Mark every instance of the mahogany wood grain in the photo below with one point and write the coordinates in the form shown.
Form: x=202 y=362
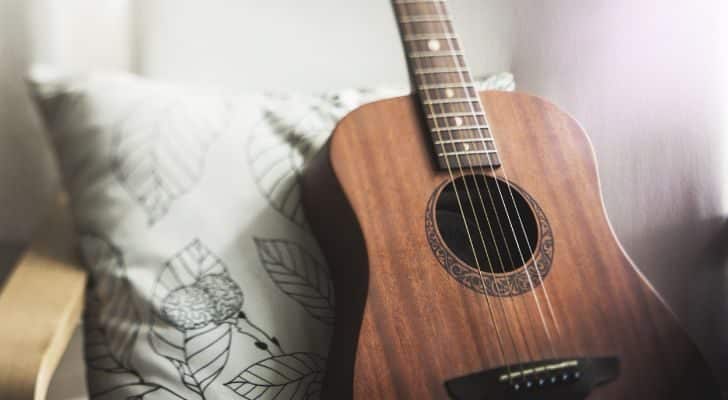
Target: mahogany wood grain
x=404 y=326
x=441 y=77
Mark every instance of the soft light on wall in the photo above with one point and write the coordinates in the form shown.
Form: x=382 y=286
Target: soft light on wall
x=647 y=80
x=75 y=35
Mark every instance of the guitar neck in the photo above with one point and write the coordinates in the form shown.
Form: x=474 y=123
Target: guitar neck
x=449 y=99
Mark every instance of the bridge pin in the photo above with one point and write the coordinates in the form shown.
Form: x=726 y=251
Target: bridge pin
x=541 y=381
x=577 y=375
x=529 y=384
x=553 y=379
x=565 y=377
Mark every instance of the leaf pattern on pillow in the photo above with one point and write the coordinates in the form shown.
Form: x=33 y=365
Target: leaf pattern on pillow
x=111 y=327
x=198 y=355
x=102 y=361
x=291 y=132
x=117 y=312
x=296 y=376
x=299 y=275
x=159 y=149
x=196 y=304
x=138 y=391
x=197 y=307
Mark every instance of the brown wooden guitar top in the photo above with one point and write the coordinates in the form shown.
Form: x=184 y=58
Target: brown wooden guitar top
x=405 y=326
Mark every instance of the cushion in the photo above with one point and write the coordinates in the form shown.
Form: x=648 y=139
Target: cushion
x=206 y=282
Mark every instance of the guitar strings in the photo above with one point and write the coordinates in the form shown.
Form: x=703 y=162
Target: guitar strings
x=442 y=13
x=467 y=228
x=473 y=174
x=511 y=224
x=478 y=190
x=472 y=246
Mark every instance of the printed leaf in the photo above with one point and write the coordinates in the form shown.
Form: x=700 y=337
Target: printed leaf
x=299 y=275
x=160 y=149
x=196 y=337
x=184 y=269
x=111 y=326
x=113 y=320
x=99 y=342
x=296 y=376
x=198 y=355
x=290 y=133
x=135 y=391
x=109 y=378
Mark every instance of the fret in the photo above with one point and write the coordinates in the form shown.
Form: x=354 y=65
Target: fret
x=472 y=147
x=450 y=96
x=467 y=140
x=431 y=36
x=424 y=18
x=442 y=70
x=478 y=160
x=440 y=62
x=468 y=120
x=475 y=113
x=430 y=28
x=432 y=54
x=429 y=46
x=449 y=101
x=460 y=128
x=463 y=133
x=446 y=86
x=466 y=153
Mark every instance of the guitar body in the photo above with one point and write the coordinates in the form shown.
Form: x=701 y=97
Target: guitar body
x=405 y=321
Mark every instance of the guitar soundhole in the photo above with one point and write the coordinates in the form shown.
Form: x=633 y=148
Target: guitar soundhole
x=505 y=245
x=494 y=238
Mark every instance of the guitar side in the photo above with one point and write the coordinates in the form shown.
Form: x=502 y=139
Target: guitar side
x=405 y=326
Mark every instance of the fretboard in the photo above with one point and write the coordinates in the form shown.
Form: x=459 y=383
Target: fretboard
x=445 y=87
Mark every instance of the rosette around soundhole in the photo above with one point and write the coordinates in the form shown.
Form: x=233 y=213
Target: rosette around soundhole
x=492 y=228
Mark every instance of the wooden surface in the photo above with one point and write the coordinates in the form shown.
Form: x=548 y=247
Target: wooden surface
x=40 y=305
x=9 y=253
x=366 y=195
x=445 y=85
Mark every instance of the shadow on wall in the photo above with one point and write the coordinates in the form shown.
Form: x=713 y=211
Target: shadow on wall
x=648 y=84
x=27 y=177
x=71 y=35
x=708 y=308
x=701 y=274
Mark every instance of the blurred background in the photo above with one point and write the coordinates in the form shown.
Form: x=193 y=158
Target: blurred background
x=648 y=79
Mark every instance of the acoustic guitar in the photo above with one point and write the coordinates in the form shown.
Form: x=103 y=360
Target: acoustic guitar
x=470 y=250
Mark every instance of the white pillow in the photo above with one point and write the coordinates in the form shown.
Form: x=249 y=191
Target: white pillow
x=206 y=282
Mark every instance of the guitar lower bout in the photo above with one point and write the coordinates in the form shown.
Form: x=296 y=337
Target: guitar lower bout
x=412 y=319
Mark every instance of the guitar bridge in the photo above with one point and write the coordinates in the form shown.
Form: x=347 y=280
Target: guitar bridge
x=562 y=379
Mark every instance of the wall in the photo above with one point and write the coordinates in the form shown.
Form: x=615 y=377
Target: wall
x=241 y=45
x=68 y=34
x=647 y=80
x=26 y=173
x=303 y=45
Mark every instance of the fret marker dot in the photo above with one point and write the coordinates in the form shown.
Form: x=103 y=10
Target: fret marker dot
x=433 y=45
x=458 y=121
x=449 y=93
x=466 y=146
